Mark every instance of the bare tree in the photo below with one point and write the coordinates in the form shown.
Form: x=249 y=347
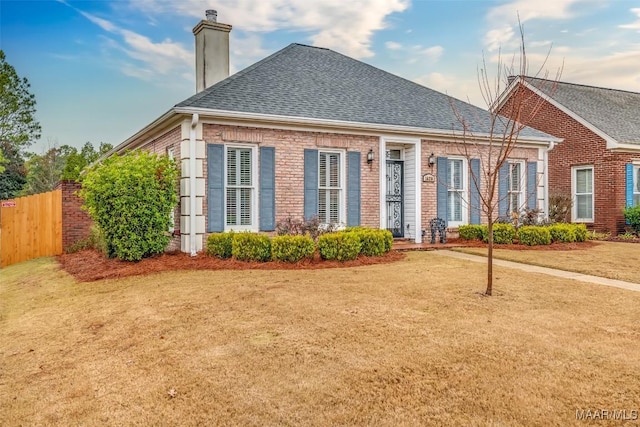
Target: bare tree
x=506 y=121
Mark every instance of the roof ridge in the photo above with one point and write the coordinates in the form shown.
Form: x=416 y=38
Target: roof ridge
x=581 y=84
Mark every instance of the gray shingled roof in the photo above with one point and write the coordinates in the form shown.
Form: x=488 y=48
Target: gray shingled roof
x=614 y=112
x=312 y=82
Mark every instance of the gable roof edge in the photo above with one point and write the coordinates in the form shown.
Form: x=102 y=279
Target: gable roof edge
x=611 y=143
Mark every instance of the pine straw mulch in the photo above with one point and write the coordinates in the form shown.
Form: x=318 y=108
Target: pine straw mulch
x=90 y=265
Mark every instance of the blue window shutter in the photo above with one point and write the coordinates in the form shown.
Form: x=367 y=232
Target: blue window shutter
x=442 y=191
x=215 y=194
x=476 y=204
x=628 y=184
x=353 y=189
x=503 y=189
x=310 y=183
x=267 y=188
x=532 y=185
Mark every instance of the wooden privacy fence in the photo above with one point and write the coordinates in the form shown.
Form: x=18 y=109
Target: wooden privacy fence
x=30 y=227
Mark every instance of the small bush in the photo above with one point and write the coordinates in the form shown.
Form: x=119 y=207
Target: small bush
x=471 y=232
x=373 y=241
x=292 y=248
x=564 y=233
x=388 y=240
x=503 y=234
x=532 y=235
x=581 y=232
x=95 y=240
x=627 y=236
x=560 y=207
x=341 y=246
x=632 y=216
x=251 y=247
x=594 y=235
x=311 y=227
x=220 y=245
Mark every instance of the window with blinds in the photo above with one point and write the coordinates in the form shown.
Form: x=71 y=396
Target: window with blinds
x=329 y=188
x=239 y=186
x=455 y=184
x=516 y=187
x=583 y=193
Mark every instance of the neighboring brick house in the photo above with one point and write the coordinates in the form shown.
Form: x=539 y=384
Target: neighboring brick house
x=310 y=132
x=598 y=163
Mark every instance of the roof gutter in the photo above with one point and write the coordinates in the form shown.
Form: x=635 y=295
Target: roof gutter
x=272 y=118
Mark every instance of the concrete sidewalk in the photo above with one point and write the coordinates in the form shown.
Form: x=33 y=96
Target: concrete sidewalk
x=543 y=270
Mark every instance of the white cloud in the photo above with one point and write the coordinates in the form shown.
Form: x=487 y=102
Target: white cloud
x=150 y=58
x=635 y=25
x=503 y=19
x=432 y=53
x=336 y=24
x=393 y=45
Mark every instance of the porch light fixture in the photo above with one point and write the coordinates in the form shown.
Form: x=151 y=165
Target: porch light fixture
x=370 y=156
x=432 y=160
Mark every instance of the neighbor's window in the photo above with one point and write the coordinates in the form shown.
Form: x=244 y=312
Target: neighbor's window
x=516 y=187
x=457 y=188
x=583 y=193
x=239 y=187
x=330 y=188
x=636 y=186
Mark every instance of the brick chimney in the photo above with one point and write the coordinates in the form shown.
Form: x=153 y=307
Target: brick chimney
x=212 y=51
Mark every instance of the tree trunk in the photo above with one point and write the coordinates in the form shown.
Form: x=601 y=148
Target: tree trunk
x=489 y=254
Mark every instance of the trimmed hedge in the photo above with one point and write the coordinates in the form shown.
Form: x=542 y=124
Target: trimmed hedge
x=532 y=235
x=472 y=232
x=374 y=242
x=564 y=233
x=220 y=245
x=341 y=246
x=581 y=232
x=251 y=247
x=503 y=234
x=292 y=248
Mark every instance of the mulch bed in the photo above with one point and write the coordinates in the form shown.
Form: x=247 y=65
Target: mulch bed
x=91 y=265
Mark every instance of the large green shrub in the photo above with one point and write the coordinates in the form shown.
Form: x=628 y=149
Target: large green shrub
x=251 y=247
x=532 y=235
x=581 y=232
x=220 y=245
x=341 y=246
x=292 y=248
x=472 y=232
x=632 y=216
x=130 y=198
x=563 y=233
x=374 y=242
x=502 y=233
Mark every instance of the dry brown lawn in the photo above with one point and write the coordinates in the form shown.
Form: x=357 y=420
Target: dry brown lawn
x=605 y=259
x=407 y=343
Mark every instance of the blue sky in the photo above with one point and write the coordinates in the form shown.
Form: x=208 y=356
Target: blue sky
x=101 y=70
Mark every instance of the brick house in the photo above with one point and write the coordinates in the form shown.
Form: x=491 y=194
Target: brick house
x=598 y=163
x=310 y=132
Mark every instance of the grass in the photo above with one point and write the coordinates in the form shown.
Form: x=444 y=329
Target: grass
x=613 y=260
x=413 y=342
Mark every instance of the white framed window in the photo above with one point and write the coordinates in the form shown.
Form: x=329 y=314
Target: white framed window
x=331 y=171
x=516 y=197
x=457 y=196
x=636 y=185
x=240 y=187
x=582 y=188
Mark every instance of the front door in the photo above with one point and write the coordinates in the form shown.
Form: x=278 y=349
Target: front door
x=395 y=198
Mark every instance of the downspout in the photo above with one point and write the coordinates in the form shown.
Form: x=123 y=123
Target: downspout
x=546 y=177
x=192 y=184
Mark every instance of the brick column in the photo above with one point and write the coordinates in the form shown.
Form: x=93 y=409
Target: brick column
x=76 y=223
